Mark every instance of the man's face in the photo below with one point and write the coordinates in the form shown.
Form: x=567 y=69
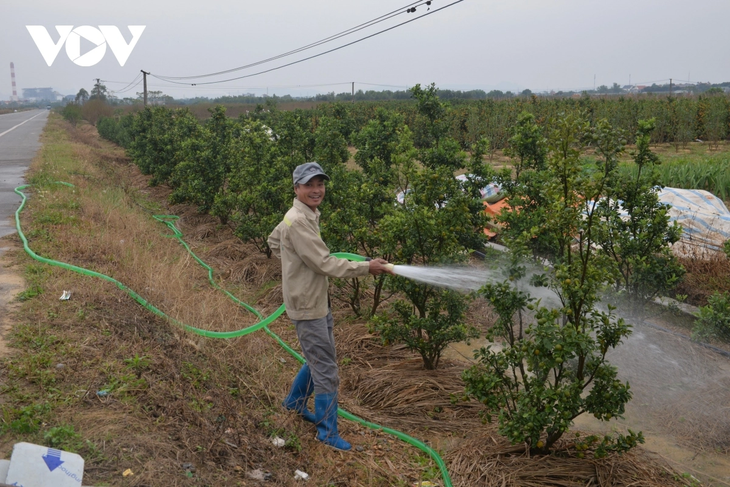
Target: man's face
x=311 y=193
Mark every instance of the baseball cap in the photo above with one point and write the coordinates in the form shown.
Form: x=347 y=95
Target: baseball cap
x=307 y=171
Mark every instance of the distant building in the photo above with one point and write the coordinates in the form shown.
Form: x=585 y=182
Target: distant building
x=37 y=94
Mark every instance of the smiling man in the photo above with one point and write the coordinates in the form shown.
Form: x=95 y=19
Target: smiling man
x=305 y=265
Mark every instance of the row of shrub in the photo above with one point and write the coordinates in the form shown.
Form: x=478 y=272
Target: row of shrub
x=678 y=120
x=240 y=171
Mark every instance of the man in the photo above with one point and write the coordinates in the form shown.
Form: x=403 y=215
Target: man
x=305 y=264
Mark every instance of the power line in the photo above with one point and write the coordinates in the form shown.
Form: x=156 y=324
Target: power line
x=316 y=55
x=349 y=31
x=378 y=84
x=128 y=87
x=122 y=90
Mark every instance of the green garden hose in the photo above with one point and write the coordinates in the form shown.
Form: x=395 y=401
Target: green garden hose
x=170 y=220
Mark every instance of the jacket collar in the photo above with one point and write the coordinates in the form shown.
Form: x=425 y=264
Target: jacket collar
x=312 y=215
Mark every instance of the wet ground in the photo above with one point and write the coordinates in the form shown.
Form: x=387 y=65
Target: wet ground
x=681 y=396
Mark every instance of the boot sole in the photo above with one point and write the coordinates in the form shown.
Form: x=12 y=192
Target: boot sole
x=331 y=446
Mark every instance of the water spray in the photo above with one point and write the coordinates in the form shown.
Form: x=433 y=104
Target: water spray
x=456 y=278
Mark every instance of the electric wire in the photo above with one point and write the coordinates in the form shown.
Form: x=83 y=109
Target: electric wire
x=344 y=33
x=130 y=88
x=128 y=85
x=315 y=55
x=264 y=88
x=378 y=84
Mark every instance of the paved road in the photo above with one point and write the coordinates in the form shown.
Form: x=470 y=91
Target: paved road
x=19 y=134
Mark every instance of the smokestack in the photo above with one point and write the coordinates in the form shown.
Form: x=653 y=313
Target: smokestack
x=12 y=78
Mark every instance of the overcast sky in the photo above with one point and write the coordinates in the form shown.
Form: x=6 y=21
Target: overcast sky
x=486 y=44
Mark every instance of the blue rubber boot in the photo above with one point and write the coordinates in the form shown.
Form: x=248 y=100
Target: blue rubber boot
x=301 y=389
x=325 y=412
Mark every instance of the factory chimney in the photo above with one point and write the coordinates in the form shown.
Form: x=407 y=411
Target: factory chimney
x=12 y=78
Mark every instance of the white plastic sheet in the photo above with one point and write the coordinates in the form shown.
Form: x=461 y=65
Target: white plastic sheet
x=704 y=218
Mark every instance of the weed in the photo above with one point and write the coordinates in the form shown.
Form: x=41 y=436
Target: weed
x=431 y=470
x=137 y=363
x=24 y=420
x=40 y=233
x=30 y=293
x=63 y=437
x=200 y=406
x=196 y=376
x=53 y=217
x=125 y=384
x=713 y=320
x=691 y=480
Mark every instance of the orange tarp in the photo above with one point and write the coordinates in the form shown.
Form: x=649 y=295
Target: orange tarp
x=493 y=209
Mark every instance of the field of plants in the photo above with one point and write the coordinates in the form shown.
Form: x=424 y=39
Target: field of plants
x=564 y=155
x=239 y=171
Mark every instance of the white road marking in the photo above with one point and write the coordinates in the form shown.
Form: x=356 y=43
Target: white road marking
x=21 y=123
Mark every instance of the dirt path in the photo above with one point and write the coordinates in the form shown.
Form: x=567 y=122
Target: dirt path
x=11 y=283
x=681 y=400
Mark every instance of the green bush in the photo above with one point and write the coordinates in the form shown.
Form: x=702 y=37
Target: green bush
x=157 y=140
x=72 y=113
x=713 y=320
x=204 y=157
x=438 y=221
x=116 y=129
x=552 y=367
x=637 y=234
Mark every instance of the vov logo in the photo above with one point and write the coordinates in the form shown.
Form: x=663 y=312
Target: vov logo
x=105 y=34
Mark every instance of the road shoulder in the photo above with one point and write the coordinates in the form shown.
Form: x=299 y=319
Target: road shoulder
x=11 y=284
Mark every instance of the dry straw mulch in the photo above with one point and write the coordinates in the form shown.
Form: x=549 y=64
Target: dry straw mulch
x=491 y=462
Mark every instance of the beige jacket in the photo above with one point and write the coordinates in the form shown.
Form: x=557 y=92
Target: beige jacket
x=306 y=262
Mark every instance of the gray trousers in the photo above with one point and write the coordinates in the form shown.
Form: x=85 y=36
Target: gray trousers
x=318 y=346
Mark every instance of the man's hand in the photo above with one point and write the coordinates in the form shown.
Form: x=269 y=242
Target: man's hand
x=379 y=266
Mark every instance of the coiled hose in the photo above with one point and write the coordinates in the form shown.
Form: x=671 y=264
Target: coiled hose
x=170 y=220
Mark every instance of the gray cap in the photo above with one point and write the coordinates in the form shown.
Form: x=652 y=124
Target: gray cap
x=307 y=171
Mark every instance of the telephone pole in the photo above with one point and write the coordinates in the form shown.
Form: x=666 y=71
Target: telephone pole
x=353 y=92
x=670 y=87
x=144 y=81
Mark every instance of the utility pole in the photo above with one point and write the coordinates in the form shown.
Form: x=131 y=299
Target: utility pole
x=144 y=81
x=353 y=92
x=670 y=87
